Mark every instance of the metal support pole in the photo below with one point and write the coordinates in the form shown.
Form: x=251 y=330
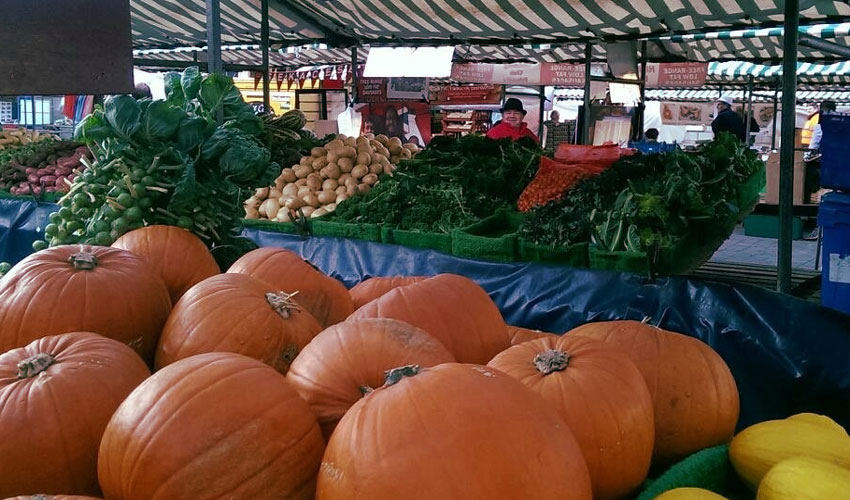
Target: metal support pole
x=214 y=36
x=749 y=108
x=786 y=151
x=354 y=74
x=585 y=124
x=775 y=112
x=643 y=57
x=33 y=112
x=264 y=36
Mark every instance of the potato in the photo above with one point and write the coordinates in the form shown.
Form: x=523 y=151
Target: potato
x=253 y=202
x=394 y=160
x=290 y=190
x=382 y=139
x=364 y=149
x=262 y=193
x=341 y=197
x=350 y=142
x=326 y=197
x=334 y=145
x=375 y=145
x=363 y=188
x=345 y=165
x=340 y=190
x=394 y=141
x=361 y=140
x=318 y=213
x=369 y=136
x=251 y=213
x=312 y=200
x=314 y=181
x=301 y=182
x=331 y=207
x=307 y=211
x=318 y=152
x=351 y=183
x=330 y=185
x=351 y=191
x=370 y=179
x=303 y=191
x=275 y=193
x=303 y=171
x=283 y=215
x=388 y=169
x=342 y=178
x=330 y=172
x=359 y=171
x=384 y=152
x=364 y=158
x=410 y=147
x=341 y=137
x=333 y=156
x=320 y=163
x=395 y=149
x=406 y=154
x=376 y=168
x=347 y=152
x=294 y=203
x=306 y=161
x=270 y=208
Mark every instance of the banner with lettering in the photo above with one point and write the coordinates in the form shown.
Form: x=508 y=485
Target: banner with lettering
x=666 y=75
x=476 y=93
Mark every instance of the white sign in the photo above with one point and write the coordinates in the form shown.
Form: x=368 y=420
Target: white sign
x=435 y=62
x=839 y=268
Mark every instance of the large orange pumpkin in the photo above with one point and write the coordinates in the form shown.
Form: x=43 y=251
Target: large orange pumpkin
x=452 y=431
x=56 y=396
x=218 y=425
x=52 y=497
x=453 y=309
x=81 y=288
x=236 y=313
x=349 y=360
x=324 y=297
x=518 y=334
x=180 y=257
x=603 y=398
x=694 y=395
x=372 y=288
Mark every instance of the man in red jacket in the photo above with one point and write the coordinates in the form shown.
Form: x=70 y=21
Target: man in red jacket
x=512 y=125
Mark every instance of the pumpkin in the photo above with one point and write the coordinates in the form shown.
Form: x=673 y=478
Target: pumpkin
x=695 y=398
x=518 y=335
x=348 y=360
x=217 y=425
x=56 y=396
x=452 y=309
x=601 y=396
x=805 y=478
x=372 y=288
x=452 y=431
x=180 y=257
x=81 y=288
x=236 y=313
x=52 y=497
x=322 y=296
x=761 y=446
x=689 y=494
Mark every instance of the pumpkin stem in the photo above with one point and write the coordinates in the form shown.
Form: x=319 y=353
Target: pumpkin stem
x=551 y=360
x=395 y=375
x=365 y=389
x=83 y=260
x=34 y=365
x=282 y=303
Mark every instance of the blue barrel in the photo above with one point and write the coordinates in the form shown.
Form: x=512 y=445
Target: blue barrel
x=835 y=150
x=834 y=217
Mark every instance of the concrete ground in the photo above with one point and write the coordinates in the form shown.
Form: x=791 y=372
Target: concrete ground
x=743 y=249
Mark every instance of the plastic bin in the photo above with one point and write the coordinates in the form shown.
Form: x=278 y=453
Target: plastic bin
x=493 y=238
x=834 y=217
x=440 y=242
x=767 y=226
x=835 y=150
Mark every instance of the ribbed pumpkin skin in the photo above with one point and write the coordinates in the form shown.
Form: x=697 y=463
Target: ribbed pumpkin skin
x=324 y=297
x=452 y=309
x=51 y=423
x=453 y=431
x=121 y=298
x=804 y=478
x=518 y=334
x=52 y=497
x=689 y=494
x=372 y=288
x=761 y=446
x=180 y=257
x=217 y=425
x=604 y=400
x=230 y=313
x=694 y=394
x=348 y=360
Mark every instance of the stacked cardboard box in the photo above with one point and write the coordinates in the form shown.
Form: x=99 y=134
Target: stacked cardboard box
x=772 y=165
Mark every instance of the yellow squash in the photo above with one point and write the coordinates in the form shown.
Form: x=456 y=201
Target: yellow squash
x=689 y=494
x=761 y=446
x=804 y=478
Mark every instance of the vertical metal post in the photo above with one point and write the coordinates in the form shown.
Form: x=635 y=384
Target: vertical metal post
x=214 y=36
x=786 y=151
x=354 y=74
x=775 y=111
x=748 y=109
x=643 y=58
x=264 y=40
x=585 y=122
x=33 y=112
x=541 y=115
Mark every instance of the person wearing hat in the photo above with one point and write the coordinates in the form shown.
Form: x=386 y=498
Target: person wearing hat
x=512 y=125
x=728 y=120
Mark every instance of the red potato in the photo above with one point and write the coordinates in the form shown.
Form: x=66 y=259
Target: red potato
x=63 y=171
x=48 y=180
x=30 y=170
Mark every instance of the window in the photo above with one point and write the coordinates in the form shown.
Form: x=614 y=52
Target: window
x=42 y=110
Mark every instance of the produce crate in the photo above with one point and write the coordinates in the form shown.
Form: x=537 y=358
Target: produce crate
x=634 y=262
x=767 y=226
x=493 y=238
x=750 y=191
x=708 y=469
x=368 y=232
x=573 y=255
x=272 y=226
x=440 y=242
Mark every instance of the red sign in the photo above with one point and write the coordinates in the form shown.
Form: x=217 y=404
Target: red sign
x=564 y=74
x=372 y=90
x=466 y=94
x=676 y=75
x=473 y=73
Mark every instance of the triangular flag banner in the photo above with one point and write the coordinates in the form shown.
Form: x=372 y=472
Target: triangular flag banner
x=257 y=77
x=315 y=77
x=279 y=79
x=290 y=79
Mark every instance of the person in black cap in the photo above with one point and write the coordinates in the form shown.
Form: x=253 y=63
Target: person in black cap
x=512 y=125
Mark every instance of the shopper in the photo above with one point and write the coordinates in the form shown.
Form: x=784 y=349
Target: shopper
x=811 y=160
x=812 y=123
x=557 y=132
x=651 y=136
x=512 y=124
x=728 y=120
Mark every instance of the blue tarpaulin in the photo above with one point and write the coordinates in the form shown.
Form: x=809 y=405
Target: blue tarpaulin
x=787 y=355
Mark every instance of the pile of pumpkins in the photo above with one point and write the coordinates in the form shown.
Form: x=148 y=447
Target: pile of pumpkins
x=140 y=371
x=342 y=168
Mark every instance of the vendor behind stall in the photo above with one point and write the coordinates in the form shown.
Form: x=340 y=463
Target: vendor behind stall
x=512 y=124
x=728 y=120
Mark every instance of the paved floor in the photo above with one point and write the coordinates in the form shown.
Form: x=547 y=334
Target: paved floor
x=743 y=249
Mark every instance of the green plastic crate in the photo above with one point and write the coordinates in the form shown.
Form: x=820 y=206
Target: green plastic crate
x=440 y=242
x=749 y=192
x=272 y=226
x=493 y=238
x=573 y=255
x=767 y=226
x=368 y=232
x=709 y=469
x=634 y=262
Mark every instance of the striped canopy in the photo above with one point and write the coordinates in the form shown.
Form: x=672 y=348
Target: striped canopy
x=707 y=95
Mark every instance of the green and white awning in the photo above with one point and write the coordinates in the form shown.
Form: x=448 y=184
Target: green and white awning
x=838 y=72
